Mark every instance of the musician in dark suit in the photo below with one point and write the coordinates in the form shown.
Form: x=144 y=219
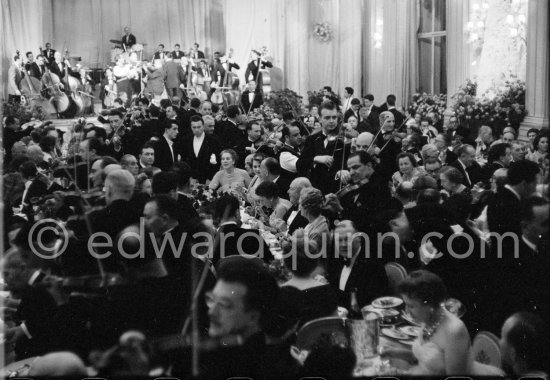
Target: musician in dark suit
x=366 y=195
x=253 y=69
x=196 y=53
x=251 y=98
x=128 y=39
x=467 y=165
x=49 y=53
x=160 y=53
x=58 y=66
x=323 y=152
x=371 y=112
x=38 y=68
x=177 y=53
x=227 y=214
x=201 y=152
x=352 y=268
x=166 y=153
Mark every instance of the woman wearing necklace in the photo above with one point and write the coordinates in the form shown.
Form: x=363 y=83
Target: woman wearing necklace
x=444 y=346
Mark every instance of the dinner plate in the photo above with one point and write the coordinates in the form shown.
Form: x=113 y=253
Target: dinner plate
x=413 y=331
x=387 y=302
x=395 y=334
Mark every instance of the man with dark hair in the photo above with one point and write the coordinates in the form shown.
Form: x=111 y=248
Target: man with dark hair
x=228 y=130
x=271 y=171
x=500 y=156
x=241 y=308
x=15 y=75
x=323 y=153
x=166 y=154
x=504 y=211
x=365 y=195
x=232 y=239
x=146 y=156
x=177 y=54
x=201 y=152
x=251 y=143
x=128 y=39
x=348 y=97
x=355 y=104
x=167 y=183
x=251 y=98
x=160 y=53
x=524 y=346
x=371 y=111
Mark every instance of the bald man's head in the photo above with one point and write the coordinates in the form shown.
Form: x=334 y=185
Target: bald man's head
x=58 y=364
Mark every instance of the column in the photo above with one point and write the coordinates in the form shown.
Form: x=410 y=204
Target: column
x=536 y=97
x=458 y=49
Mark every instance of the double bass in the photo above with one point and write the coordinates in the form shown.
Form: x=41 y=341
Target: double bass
x=57 y=98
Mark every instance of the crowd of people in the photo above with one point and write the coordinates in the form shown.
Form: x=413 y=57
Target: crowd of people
x=346 y=189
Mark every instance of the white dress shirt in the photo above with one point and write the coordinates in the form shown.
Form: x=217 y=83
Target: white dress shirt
x=197 y=143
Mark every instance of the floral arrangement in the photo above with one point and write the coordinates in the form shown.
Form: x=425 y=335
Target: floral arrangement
x=322 y=31
x=428 y=105
x=282 y=101
x=203 y=196
x=24 y=112
x=264 y=112
x=505 y=108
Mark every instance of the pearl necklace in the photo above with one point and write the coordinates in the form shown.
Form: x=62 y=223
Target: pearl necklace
x=428 y=331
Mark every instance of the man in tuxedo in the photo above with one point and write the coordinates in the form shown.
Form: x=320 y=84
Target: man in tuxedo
x=31 y=65
x=270 y=170
x=290 y=151
x=454 y=128
x=253 y=69
x=294 y=218
x=251 y=143
x=196 y=53
x=201 y=152
x=371 y=111
x=128 y=39
x=160 y=53
x=58 y=67
x=228 y=131
x=467 y=165
x=166 y=154
x=49 y=53
x=177 y=54
x=355 y=104
x=232 y=239
x=251 y=98
x=323 y=152
x=353 y=268
x=15 y=75
x=38 y=68
x=504 y=210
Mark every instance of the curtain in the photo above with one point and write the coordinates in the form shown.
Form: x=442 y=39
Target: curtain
x=21 y=25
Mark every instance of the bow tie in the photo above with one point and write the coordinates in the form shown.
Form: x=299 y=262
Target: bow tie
x=346 y=261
